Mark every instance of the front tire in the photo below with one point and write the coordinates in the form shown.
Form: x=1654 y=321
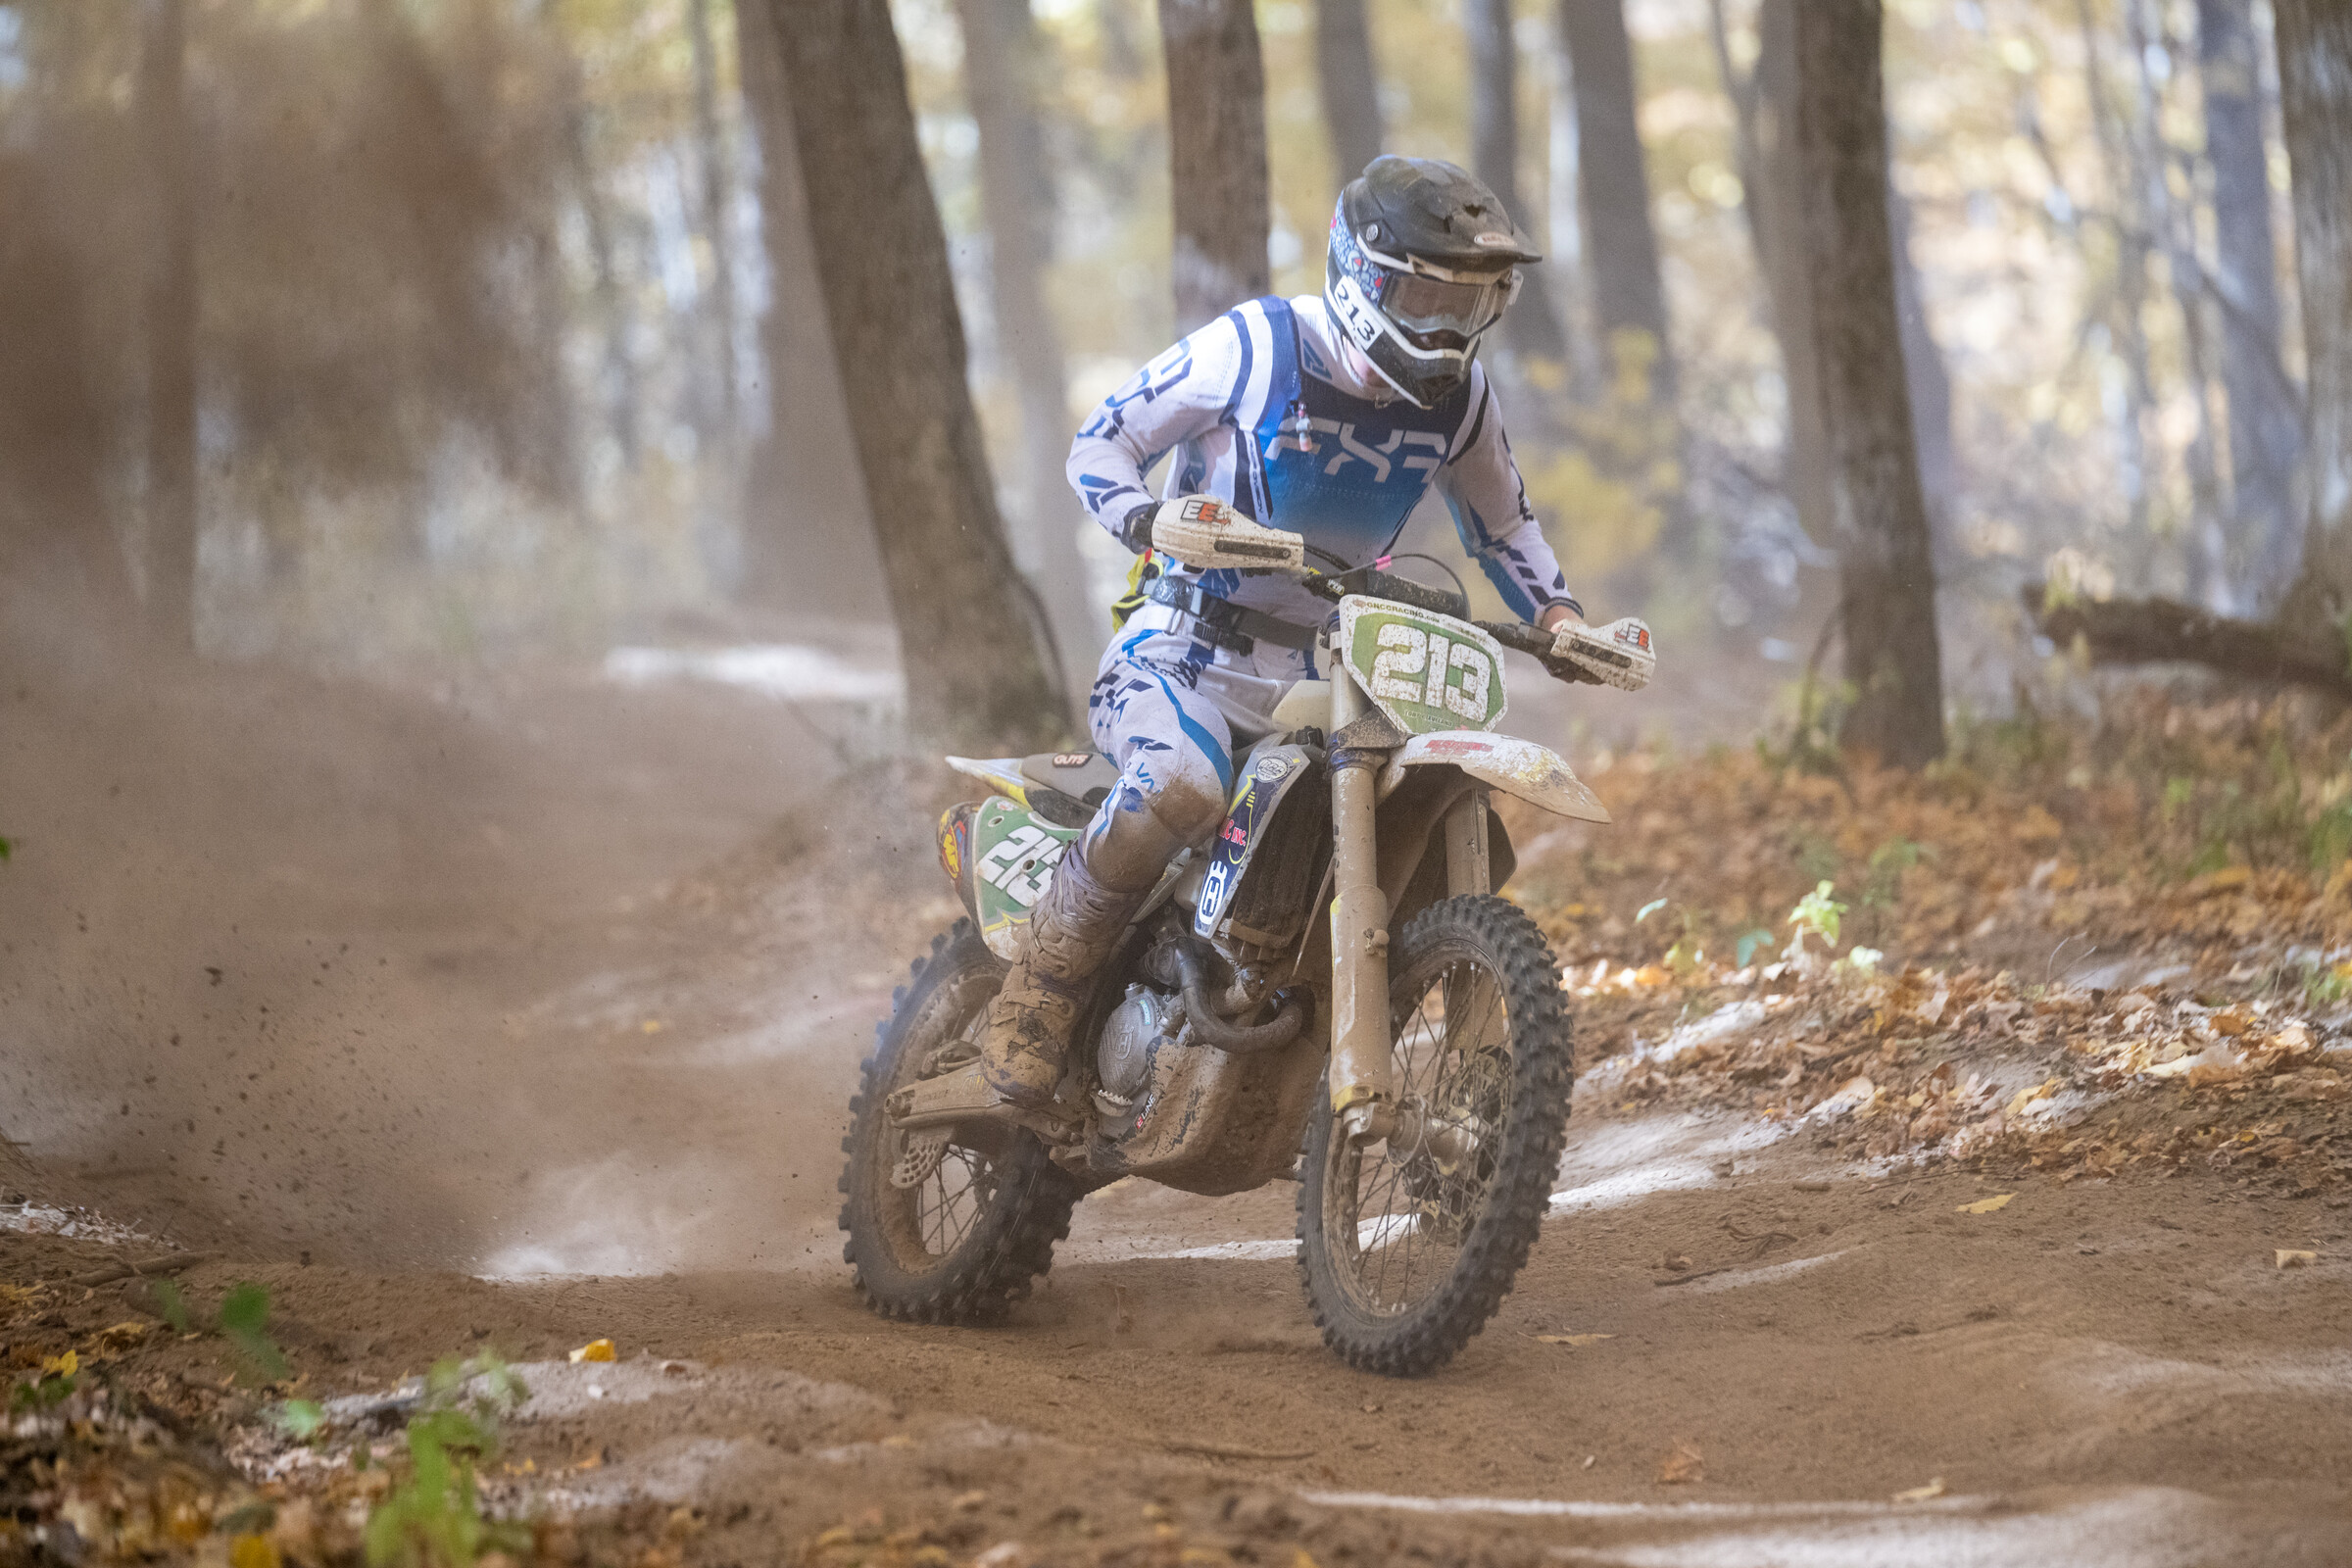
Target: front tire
x=952 y=1235
x=1404 y=1258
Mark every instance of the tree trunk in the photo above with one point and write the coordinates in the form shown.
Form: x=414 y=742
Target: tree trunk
x=1628 y=294
x=719 y=308
x=2129 y=317
x=2264 y=434
x=1931 y=385
x=171 y=324
x=1003 y=61
x=809 y=542
x=1216 y=155
x=56 y=536
x=1533 y=326
x=1350 y=85
x=1886 y=570
x=2175 y=230
x=2315 y=81
x=1775 y=200
x=2154 y=631
x=618 y=381
x=970 y=641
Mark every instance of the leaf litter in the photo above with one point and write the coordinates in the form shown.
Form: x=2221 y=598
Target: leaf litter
x=2082 y=951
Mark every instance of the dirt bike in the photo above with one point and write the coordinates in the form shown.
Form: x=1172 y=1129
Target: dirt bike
x=1406 y=1061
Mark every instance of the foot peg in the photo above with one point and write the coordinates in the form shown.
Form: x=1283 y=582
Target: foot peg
x=964 y=1094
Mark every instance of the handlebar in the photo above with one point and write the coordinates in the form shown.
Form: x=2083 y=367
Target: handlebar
x=1537 y=646
x=1378 y=584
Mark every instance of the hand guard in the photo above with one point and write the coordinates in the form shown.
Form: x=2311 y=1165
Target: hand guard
x=1204 y=532
x=1617 y=655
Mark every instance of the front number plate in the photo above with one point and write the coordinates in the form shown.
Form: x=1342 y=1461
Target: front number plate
x=1425 y=671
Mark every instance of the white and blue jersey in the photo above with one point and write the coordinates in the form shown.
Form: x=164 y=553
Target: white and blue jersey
x=1262 y=410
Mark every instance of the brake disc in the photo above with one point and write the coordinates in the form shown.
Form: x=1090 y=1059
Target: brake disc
x=919 y=1157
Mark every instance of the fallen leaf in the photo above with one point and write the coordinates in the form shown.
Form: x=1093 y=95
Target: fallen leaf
x=1683 y=1464
x=2026 y=1097
x=1578 y=1341
x=2236 y=1021
x=1933 y=1490
x=120 y=1336
x=596 y=1351
x=2290 y=1257
x=64 y=1366
x=1985 y=1206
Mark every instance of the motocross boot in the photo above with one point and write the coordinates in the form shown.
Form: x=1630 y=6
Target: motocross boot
x=1071 y=933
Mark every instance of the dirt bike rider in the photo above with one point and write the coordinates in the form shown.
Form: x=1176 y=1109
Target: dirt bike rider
x=1324 y=416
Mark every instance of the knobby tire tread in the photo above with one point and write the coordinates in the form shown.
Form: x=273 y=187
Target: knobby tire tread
x=1497 y=1248
x=1010 y=1245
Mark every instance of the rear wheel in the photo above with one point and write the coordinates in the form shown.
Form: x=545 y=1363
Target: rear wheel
x=949 y=1225
x=1407 y=1245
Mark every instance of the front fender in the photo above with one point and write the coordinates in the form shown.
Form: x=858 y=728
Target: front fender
x=1535 y=773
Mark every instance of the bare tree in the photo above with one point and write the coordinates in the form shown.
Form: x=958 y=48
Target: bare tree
x=2134 y=240
x=1770 y=175
x=718 y=306
x=970 y=640
x=1533 y=325
x=1887 y=569
x=1764 y=117
x=1216 y=155
x=1350 y=85
x=809 y=543
x=2263 y=437
x=171 y=324
x=2314 y=81
x=1628 y=293
x=1931 y=384
x=619 y=377
x=55 y=532
x=1002 y=65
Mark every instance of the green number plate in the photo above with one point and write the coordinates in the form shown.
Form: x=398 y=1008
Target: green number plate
x=1014 y=855
x=1425 y=671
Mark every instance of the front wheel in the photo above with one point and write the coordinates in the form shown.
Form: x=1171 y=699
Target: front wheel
x=1406 y=1251
x=948 y=1225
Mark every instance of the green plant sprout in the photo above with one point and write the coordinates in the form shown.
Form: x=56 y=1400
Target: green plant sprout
x=1819 y=912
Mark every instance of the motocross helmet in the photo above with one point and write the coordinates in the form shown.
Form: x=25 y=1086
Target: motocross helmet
x=1422 y=261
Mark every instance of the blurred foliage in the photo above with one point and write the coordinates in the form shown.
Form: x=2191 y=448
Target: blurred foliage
x=452 y=271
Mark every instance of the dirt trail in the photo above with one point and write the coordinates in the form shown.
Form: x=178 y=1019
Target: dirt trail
x=379 y=992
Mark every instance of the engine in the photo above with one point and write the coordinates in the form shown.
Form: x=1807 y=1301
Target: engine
x=1130 y=1037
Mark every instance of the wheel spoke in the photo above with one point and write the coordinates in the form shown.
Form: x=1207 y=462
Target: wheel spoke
x=1398 y=1221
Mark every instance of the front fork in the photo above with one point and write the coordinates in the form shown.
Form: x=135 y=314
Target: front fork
x=1362 y=1062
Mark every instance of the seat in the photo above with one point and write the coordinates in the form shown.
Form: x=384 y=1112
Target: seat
x=1078 y=775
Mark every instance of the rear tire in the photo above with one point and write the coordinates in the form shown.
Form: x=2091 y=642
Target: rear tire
x=966 y=1242
x=1403 y=1260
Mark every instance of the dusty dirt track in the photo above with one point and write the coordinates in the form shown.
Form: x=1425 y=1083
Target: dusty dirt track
x=376 y=992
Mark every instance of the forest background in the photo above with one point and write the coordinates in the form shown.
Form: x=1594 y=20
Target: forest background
x=499 y=325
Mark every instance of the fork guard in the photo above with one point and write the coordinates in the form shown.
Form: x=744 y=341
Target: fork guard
x=1533 y=774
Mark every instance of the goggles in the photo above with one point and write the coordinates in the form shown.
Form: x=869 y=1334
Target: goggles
x=1422 y=304
x=1426 y=305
